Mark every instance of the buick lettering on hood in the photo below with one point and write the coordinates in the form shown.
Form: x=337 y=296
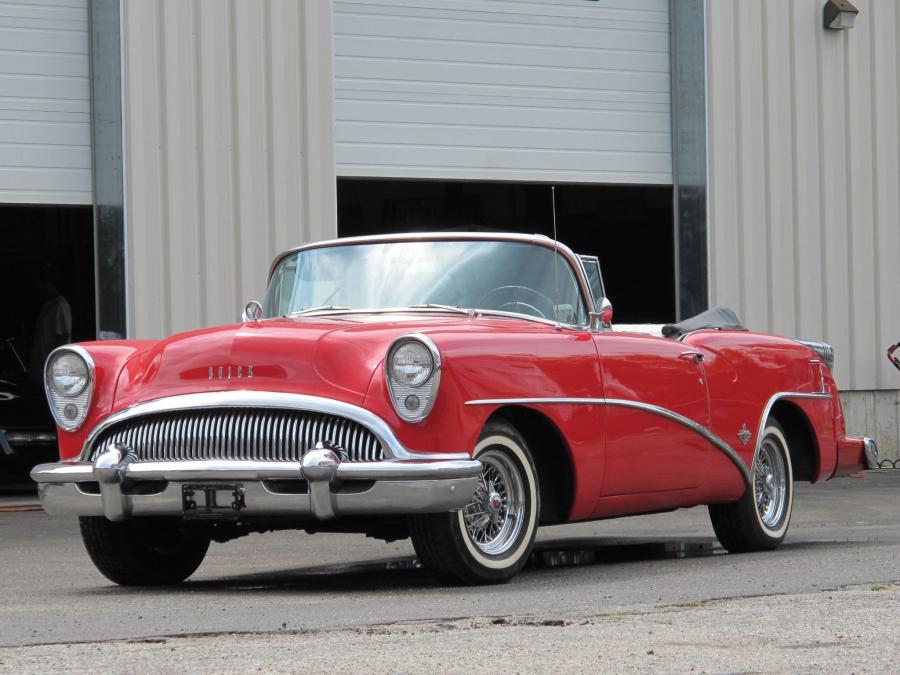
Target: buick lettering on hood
x=458 y=389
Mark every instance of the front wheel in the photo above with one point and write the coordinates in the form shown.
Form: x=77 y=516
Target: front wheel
x=144 y=551
x=760 y=519
x=490 y=539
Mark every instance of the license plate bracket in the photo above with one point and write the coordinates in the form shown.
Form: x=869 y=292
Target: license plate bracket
x=212 y=500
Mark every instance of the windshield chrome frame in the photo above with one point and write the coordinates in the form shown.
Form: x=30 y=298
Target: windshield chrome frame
x=537 y=239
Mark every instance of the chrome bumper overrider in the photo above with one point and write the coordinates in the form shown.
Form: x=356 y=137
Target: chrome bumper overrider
x=871 y=450
x=128 y=488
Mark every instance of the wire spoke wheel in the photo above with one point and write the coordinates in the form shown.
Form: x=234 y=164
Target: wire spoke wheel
x=496 y=513
x=490 y=539
x=759 y=520
x=770 y=483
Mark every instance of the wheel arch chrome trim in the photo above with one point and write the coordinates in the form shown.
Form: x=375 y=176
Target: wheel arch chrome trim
x=767 y=411
x=394 y=449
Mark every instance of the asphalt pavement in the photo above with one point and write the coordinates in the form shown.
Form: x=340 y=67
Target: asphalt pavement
x=844 y=532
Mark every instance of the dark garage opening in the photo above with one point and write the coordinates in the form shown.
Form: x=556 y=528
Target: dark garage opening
x=47 y=258
x=630 y=228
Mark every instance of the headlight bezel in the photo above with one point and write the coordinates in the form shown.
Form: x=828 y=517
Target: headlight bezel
x=426 y=391
x=58 y=400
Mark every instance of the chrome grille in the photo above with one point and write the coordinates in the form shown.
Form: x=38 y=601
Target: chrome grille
x=239 y=433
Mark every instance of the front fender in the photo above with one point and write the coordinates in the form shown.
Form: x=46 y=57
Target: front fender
x=110 y=358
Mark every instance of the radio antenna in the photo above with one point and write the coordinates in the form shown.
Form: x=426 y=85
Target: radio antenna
x=555 y=259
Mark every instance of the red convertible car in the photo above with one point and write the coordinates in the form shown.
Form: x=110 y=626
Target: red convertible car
x=458 y=389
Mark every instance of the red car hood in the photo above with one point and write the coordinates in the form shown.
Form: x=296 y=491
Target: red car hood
x=334 y=357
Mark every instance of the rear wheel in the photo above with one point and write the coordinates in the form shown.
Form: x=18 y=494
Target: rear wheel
x=490 y=539
x=760 y=519
x=143 y=552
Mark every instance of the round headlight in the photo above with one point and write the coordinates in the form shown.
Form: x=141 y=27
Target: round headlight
x=67 y=374
x=411 y=364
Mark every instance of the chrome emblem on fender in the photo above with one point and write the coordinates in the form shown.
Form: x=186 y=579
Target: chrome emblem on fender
x=226 y=372
x=744 y=434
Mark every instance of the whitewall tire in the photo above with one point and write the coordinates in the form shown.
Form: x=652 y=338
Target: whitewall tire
x=490 y=539
x=759 y=520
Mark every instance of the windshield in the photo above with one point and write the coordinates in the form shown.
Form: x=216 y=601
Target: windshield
x=488 y=275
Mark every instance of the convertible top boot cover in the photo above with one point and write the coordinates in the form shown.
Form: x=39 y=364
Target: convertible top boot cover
x=719 y=318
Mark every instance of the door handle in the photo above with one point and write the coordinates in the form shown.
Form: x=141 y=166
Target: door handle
x=696 y=357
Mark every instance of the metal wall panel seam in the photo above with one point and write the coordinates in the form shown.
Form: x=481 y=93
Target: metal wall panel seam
x=766 y=146
x=850 y=222
x=162 y=162
x=235 y=120
x=199 y=177
x=126 y=220
x=268 y=61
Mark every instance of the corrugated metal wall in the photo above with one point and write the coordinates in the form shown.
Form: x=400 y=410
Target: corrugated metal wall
x=45 y=116
x=558 y=90
x=804 y=176
x=228 y=135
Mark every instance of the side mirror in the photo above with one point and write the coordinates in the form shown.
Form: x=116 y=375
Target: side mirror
x=601 y=318
x=252 y=312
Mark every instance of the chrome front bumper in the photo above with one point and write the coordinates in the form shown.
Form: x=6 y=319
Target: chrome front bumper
x=319 y=486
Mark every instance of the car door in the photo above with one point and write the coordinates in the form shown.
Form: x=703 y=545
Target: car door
x=646 y=379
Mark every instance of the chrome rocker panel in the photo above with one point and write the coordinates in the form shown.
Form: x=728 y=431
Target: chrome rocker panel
x=404 y=483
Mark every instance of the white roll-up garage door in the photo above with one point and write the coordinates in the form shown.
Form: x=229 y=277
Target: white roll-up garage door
x=45 y=133
x=559 y=90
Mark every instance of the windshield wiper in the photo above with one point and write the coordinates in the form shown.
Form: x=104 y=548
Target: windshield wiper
x=320 y=308
x=449 y=308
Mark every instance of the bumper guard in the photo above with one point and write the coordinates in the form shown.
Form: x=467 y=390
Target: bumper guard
x=131 y=488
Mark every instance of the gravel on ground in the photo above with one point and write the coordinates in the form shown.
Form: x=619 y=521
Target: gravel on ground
x=849 y=630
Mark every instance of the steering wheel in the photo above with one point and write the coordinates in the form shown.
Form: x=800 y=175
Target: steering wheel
x=488 y=299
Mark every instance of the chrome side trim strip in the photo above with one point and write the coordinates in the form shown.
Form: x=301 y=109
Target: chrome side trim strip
x=746 y=472
x=550 y=400
x=721 y=445
x=729 y=452
x=394 y=449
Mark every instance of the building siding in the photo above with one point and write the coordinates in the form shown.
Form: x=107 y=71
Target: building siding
x=229 y=151
x=558 y=90
x=804 y=168
x=45 y=117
